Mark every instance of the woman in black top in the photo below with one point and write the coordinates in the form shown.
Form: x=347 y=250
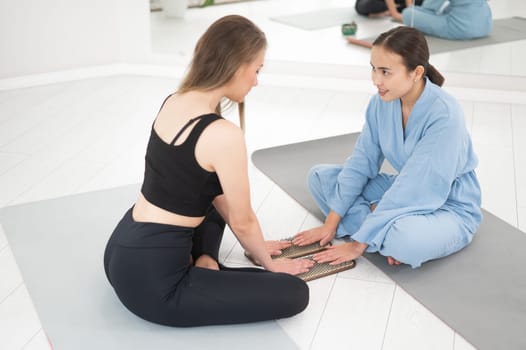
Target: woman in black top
x=162 y=258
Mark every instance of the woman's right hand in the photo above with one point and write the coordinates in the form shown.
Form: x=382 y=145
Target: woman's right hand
x=317 y=234
x=291 y=266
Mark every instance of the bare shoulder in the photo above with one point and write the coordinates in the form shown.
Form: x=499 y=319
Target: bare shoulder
x=222 y=142
x=223 y=132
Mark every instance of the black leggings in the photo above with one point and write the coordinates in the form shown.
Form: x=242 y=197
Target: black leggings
x=149 y=267
x=367 y=7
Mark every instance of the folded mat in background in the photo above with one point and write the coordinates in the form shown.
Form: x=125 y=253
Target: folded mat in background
x=504 y=30
x=480 y=291
x=319 y=19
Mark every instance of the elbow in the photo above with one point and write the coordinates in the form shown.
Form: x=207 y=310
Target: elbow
x=242 y=224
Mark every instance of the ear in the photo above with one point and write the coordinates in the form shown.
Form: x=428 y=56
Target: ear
x=419 y=72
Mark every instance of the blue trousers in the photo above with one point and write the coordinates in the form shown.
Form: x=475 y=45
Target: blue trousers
x=457 y=22
x=411 y=239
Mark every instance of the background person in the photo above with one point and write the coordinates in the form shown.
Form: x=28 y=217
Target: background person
x=451 y=19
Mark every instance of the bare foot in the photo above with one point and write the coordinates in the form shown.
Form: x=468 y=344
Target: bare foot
x=392 y=261
x=359 y=42
x=379 y=14
x=207 y=262
x=292 y=266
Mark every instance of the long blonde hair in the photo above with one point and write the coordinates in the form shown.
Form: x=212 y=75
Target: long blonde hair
x=227 y=44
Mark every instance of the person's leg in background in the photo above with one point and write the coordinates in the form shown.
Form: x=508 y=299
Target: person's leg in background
x=403 y=5
x=368 y=7
x=426 y=21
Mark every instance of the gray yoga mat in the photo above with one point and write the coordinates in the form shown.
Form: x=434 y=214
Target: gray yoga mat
x=59 y=244
x=480 y=291
x=319 y=19
x=504 y=30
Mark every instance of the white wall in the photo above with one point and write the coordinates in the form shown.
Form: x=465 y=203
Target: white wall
x=40 y=36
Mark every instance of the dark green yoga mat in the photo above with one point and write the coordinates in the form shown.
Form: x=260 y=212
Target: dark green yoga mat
x=480 y=291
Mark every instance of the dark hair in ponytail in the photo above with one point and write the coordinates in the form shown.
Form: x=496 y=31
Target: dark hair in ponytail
x=411 y=45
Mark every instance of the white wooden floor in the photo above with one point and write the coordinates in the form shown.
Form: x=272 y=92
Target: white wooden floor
x=84 y=135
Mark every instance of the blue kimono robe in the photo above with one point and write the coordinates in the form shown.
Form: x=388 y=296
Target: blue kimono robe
x=460 y=20
x=431 y=208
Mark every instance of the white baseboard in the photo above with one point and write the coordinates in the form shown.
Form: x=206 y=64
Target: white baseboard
x=472 y=87
x=90 y=73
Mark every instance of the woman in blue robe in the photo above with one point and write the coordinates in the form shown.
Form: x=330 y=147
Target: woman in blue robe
x=431 y=207
x=451 y=19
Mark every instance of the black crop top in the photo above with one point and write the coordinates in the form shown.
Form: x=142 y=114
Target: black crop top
x=173 y=179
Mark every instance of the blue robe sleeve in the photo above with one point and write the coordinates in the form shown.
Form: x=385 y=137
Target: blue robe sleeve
x=362 y=165
x=424 y=182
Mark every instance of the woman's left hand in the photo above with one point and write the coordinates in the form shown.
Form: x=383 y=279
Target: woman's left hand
x=275 y=247
x=338 y=254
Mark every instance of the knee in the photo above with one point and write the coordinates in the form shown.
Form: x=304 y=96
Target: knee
x=313 y=179
x=361 y=8
x=302 y=295
x=296 y=296
x=322 y=173
x=313 y=173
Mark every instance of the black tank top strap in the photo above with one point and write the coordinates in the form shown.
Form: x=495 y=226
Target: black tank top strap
x=204 y=121
x=190 y=122
x=166 y=99
x=162 y=105
x=174 y=180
